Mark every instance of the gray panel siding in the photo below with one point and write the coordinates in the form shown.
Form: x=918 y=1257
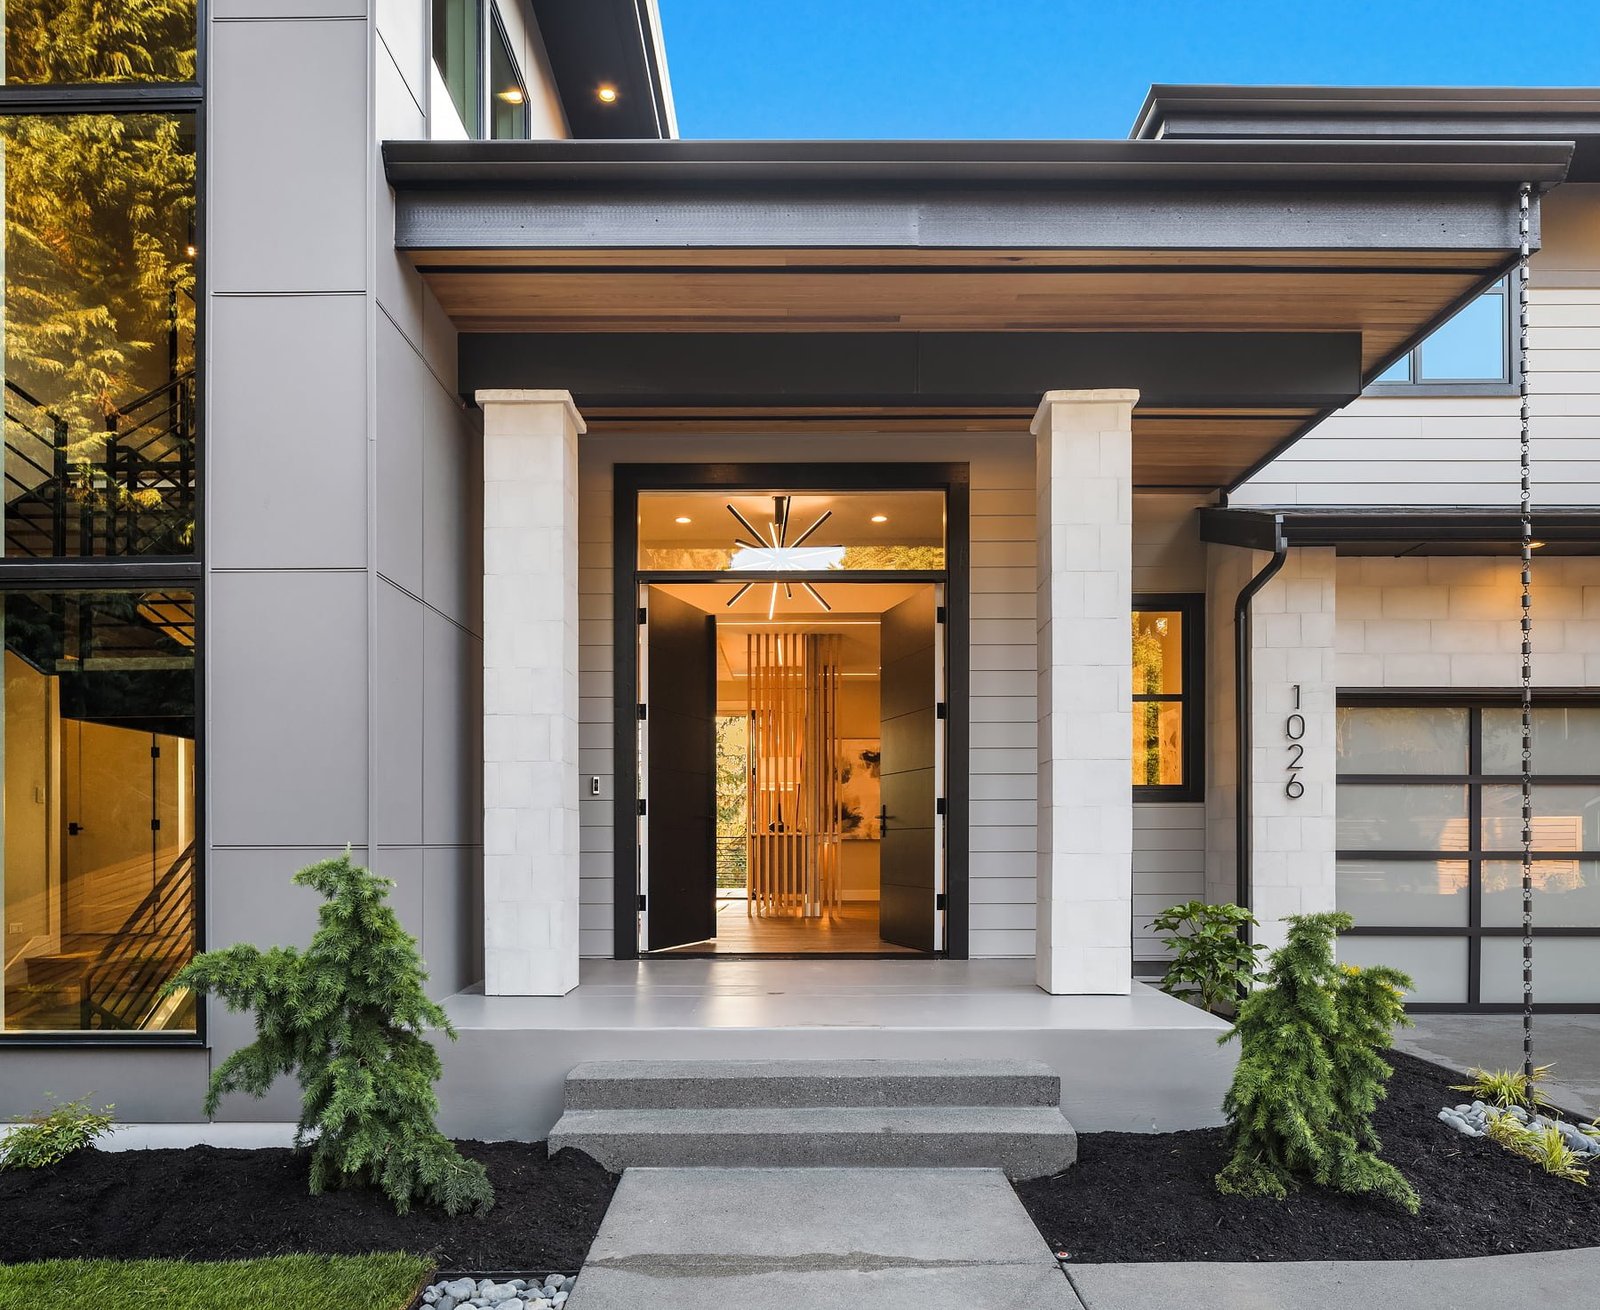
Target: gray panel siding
x=1169 y=866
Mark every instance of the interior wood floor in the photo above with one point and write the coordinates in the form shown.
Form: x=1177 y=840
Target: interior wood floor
x=852 y=929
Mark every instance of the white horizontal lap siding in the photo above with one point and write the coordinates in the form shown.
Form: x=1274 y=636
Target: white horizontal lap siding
x=596 y=755
x=1169 y=866
x=1422 y=450
x=1003 y=761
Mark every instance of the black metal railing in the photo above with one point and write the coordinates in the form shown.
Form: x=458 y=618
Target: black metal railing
x=127 y=489
x=122 y=988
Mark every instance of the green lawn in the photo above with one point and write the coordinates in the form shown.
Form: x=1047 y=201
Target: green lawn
x=290 y=1282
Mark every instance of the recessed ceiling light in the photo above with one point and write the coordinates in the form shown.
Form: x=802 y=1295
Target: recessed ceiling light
x=190 y=251
x=1534 y=545
x=683 y=518
x=512 y=95
x=606 y=93
x=880 y=518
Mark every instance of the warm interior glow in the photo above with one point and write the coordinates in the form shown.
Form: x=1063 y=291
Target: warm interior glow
x=606 y=94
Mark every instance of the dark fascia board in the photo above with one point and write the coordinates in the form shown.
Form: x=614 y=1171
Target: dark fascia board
x=1340 y=525
x=615 y=42
x=432 y=165
x=1447 y=104
x=1383 y=113
x=1203 y=370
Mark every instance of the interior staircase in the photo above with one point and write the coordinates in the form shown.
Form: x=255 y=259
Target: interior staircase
x=996 y=1114
x=121 y=486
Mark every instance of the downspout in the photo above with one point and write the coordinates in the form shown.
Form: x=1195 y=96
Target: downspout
x=1242 y=707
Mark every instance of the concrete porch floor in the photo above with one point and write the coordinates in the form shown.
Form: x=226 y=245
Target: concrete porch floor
x=1136 y=1063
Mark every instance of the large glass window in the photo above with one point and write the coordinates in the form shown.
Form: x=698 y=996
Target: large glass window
x=1471 y=348
x=61 y=42
x=98 y=823
x=1166 y=697
x=98 y=316
x=1429 y=830
x=99 y=296
x=508 y=94
x=458 y=56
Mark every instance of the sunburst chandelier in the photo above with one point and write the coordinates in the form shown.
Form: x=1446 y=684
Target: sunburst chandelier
x=772 y=551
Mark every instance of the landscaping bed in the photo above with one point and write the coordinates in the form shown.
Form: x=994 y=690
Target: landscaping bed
x=1143 y=1197
x=207 y=1203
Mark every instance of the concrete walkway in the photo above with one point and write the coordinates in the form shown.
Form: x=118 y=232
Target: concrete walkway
x=1550 y=1280
x=823 y=1239
x=910 y=1239
x=1571 y=1042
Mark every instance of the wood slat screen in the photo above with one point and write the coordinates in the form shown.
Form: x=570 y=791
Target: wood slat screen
x=792 y=844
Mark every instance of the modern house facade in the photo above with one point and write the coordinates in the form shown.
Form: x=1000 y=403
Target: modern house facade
x=827 y=556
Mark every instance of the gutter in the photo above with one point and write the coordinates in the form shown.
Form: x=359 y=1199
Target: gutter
x=1242 y=670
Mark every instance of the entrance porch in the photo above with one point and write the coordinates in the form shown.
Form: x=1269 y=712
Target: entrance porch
x=1139 y=1062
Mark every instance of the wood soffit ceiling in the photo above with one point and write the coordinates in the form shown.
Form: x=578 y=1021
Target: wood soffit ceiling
x=1389 y=297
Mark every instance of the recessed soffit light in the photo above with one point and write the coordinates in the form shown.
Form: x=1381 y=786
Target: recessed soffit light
x=880 y=518
x=606 y=94
x=683 y=518
x=512 y=95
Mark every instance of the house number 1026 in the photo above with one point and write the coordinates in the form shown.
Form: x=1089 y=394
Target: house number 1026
x=1294 y=728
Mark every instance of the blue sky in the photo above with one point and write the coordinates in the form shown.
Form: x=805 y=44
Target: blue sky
x=1066 y=68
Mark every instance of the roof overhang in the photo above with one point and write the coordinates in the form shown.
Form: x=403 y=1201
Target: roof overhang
x=1410 y=530
x=1202 y=112
x=779 y=249
x=615 y=43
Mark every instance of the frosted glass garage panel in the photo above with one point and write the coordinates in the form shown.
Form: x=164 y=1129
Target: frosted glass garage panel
x=1401 y=817
x=1437 y=965
x=1566 y=893
x=1566 y=970
x=1403 y=893
x=1565 y=740
x=1564 y=818
x=1405 y=739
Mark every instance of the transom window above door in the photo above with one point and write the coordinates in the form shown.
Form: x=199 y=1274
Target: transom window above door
x=779 y=532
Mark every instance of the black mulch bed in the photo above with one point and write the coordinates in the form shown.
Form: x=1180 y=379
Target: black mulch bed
x=205 y=1203
x=1141 y=1197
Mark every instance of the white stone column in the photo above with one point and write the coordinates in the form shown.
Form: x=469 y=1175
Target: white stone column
x=1292 y=639
x=1293 y=672
x=1085 y=600
x=530 y=692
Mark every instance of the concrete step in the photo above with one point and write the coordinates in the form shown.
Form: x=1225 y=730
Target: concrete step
x=1028 y=1141
x=775 y=1084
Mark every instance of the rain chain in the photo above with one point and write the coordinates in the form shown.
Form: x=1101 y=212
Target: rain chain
x=1523 y=214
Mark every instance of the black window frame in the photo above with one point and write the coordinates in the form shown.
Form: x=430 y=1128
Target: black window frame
x=1474 y=780
x=1191 y=609
x=115 y=573
x=1507 y=384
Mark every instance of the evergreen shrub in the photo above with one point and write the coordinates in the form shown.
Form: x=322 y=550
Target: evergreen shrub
x=1310 y=1075
x=347 y=1017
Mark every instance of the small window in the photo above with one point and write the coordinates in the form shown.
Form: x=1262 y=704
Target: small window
x=1167 y=631
x=508 y=94
x=1470 y=350
x=458 y=60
